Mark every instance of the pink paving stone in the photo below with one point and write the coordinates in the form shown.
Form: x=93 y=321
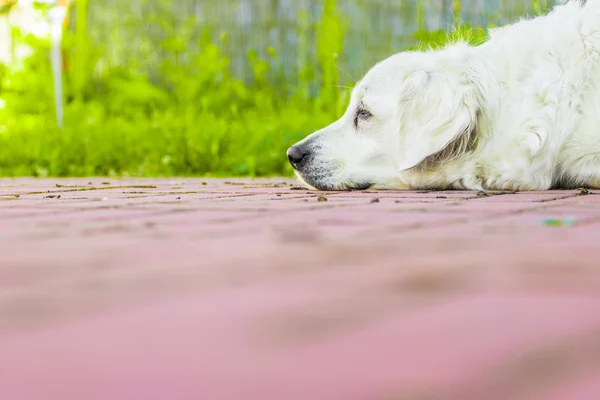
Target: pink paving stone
x=130 y=356
x=242 y=288
x=476 y=205
x=583 y=387
x=527 y=197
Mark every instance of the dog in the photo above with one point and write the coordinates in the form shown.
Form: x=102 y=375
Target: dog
x=519 y=112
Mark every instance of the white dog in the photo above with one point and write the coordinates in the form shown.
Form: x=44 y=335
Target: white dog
x=520 y=112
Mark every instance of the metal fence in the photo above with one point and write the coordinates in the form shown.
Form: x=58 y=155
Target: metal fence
x=131 y=33
x=375 y=28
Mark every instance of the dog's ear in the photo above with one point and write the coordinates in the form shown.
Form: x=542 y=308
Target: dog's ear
x=436 y=110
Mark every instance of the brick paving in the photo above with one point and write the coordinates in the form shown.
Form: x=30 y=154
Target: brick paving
x=257 y=289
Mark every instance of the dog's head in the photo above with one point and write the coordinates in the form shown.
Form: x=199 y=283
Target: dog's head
x=409 y=108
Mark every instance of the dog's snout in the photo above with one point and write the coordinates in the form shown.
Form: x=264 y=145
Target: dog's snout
x=296 y=155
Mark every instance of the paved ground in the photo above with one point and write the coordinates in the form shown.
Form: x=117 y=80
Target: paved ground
x=207 y=289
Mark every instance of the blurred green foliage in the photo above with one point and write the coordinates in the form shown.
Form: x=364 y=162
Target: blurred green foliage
x=196 y=119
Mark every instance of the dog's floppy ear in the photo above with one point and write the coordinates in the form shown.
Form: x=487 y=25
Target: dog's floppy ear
x=436 y=109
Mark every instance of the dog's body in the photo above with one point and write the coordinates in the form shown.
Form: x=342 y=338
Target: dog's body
x=520 y=112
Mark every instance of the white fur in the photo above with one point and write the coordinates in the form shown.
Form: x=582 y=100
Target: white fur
x=520 y=112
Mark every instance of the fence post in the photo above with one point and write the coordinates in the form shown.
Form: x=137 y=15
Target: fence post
x=80 y=48
x=448 y=14
x=57 y=15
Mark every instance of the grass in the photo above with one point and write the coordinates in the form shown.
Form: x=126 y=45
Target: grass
x=195 y=119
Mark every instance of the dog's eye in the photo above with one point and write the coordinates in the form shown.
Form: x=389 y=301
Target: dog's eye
x=362 y=114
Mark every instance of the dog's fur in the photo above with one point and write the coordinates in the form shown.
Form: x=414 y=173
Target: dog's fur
x=520 y=112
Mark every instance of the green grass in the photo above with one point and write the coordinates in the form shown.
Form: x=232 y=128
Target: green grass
x=194 y=119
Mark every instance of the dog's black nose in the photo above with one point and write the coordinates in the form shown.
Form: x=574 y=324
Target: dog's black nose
x=296 y=154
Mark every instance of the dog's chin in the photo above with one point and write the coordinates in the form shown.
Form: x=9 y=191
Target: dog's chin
x=315 y=183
